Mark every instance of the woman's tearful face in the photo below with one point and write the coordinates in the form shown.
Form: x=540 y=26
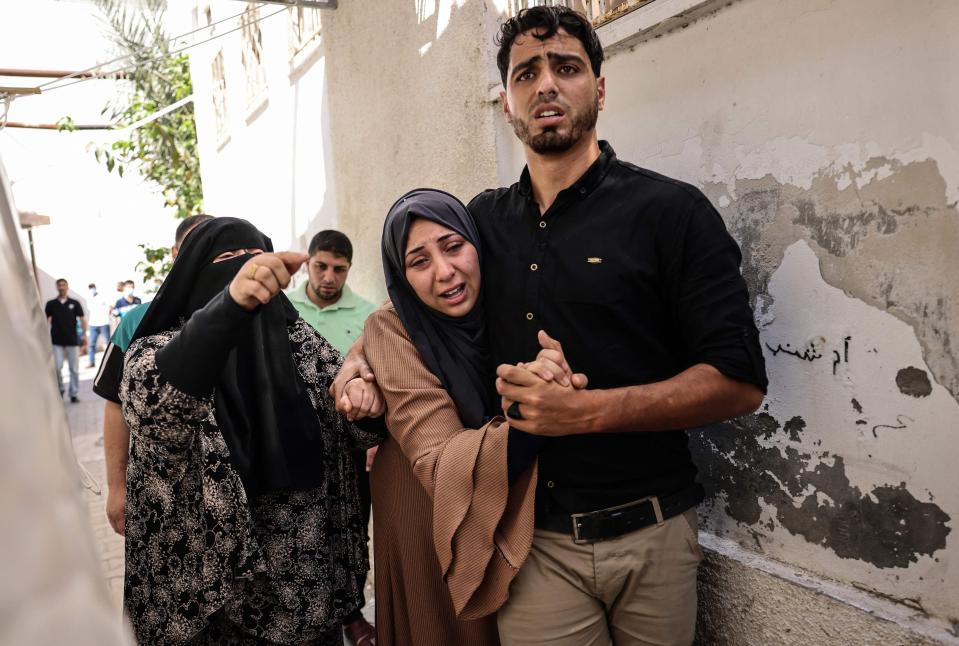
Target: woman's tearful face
x=442 y=267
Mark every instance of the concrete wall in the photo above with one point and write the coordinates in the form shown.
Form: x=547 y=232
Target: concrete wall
x=825 y=133
x=406 y=111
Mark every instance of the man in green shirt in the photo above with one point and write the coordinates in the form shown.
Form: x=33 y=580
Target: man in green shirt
x=326 y=303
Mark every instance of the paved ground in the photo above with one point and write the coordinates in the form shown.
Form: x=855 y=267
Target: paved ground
x=86 y=428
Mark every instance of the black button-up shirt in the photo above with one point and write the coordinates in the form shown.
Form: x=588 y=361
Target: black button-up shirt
x=637 y=276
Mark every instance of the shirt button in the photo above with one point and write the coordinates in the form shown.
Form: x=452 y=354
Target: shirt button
x=533 y=267
x=529 y=316
x=542 y=224
x=550 y=484
x=582 y=191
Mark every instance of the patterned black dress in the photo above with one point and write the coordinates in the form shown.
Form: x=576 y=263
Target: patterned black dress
x=205 y=565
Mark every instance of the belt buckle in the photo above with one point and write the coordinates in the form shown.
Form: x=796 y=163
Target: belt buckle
x=576 y=539
x=653 y=500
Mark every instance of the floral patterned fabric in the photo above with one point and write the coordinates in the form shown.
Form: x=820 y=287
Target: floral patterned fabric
x=280 y=567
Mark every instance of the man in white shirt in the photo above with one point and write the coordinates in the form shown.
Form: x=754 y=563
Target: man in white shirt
x=98 y=320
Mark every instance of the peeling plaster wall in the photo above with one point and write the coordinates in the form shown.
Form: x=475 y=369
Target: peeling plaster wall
x=409 y=108
x=826 y=134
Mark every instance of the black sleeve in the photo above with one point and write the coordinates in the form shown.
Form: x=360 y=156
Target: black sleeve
x=192 y=360
x=709 y=299
x=46 y=309
x=107 y=382
x=79 y=309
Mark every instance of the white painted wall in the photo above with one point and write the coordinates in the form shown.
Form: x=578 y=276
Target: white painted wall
x=768 y=105
x=272 y=167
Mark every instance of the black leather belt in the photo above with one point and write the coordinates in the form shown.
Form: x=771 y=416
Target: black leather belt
x=604 y=524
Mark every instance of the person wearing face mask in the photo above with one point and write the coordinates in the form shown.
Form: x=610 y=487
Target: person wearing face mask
x=450 y=530
x=242 y=519
x=99 y=321
x=127 y=301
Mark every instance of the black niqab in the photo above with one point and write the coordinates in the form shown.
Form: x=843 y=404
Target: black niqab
x=261 y=405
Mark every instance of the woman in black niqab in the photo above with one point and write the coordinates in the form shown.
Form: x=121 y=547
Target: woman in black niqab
x=242 y=513
x=261 y=406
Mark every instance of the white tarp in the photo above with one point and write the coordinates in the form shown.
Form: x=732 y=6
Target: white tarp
x=51 y=589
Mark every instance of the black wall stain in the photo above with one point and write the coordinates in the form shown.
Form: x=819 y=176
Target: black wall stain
x=795 y=427
x=839 y=233
x=913 y=382
x=886 y=527
x=755 y=209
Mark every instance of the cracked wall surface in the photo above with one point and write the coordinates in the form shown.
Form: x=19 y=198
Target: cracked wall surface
x=825 y=134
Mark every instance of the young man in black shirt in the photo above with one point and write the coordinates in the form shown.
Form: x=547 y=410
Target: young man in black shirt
x=63 y=313
x=637 y=277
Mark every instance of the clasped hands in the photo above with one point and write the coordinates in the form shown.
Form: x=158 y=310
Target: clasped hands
x=549 y=395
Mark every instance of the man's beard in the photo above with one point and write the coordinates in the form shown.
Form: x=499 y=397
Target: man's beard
x=550 y=141
x=319 y=294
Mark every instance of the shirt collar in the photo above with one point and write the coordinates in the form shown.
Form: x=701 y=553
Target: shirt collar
x=588 y=181
x=347 y=299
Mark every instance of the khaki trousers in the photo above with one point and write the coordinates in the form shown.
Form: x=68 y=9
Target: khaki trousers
x=639 y=588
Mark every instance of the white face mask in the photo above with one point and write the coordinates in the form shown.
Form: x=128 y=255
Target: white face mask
x=128 y=291
x=93 y=292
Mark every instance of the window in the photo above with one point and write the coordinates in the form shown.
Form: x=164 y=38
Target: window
x=219 y=97
x=304 y=27
x=205 y=21
x=515 y=6
x=602 y=11
x=598 y=11
x=252 y=56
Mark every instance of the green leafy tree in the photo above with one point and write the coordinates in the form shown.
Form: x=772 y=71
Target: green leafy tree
x=164 y=150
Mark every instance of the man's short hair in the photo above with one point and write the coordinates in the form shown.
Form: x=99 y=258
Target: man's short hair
x=548 y=20
x=128 y=282
x=61 y=280
x=189 y=222
x=333 y=241
x=91 y=286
